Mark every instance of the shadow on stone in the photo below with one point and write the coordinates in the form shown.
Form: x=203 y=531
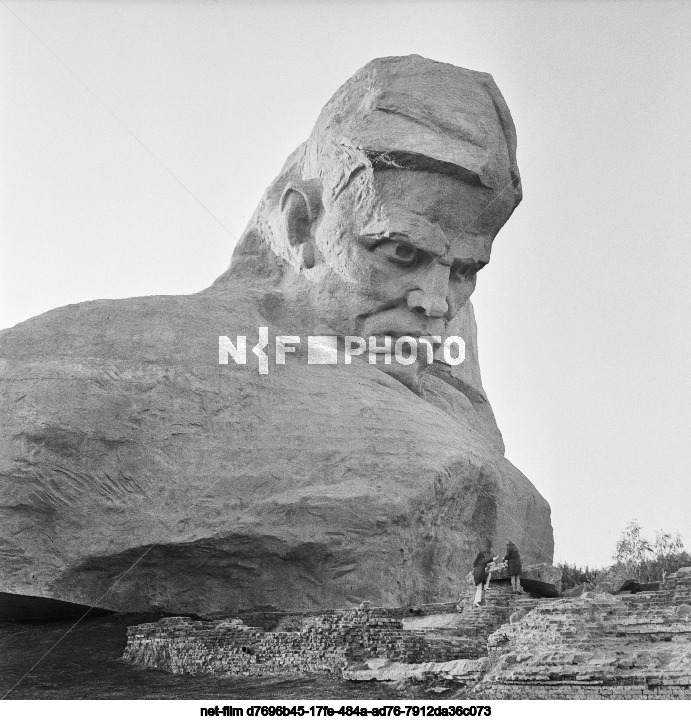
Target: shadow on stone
x=17 y=607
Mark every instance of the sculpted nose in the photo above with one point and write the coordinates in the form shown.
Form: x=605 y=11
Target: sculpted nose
x=430 y=295
x=432 y=305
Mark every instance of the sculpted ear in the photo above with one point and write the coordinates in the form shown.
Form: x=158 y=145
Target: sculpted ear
x=300 y=207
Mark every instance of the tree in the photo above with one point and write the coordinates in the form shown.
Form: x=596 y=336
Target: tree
x=636 y=558
x=632 y=549
x=668 y=544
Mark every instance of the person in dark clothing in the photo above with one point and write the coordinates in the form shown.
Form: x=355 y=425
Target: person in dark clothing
x=480 y=574
x=513 y=557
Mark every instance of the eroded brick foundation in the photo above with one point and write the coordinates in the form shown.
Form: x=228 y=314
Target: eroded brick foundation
x=516 y=647
x=324 y=643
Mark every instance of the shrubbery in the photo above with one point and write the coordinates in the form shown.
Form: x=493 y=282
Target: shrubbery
x=572 y=575
x=646 y=562
x=634 y=557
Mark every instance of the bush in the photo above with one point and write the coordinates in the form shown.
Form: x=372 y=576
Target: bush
x=656 y=568
x=572 y=575
x=634 y=558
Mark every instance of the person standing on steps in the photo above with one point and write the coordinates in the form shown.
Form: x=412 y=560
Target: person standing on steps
x=513 y=557
x=480 y=575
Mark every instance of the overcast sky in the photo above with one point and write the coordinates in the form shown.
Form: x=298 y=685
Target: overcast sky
x=137 y=138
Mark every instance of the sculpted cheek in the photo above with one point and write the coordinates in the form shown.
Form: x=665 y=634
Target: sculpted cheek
x=460 y=294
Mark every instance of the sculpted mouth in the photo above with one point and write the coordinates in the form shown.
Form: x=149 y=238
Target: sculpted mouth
x=395 y=324
x=396 y=334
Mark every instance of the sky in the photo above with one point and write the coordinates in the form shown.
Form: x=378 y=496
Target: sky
x=136 y=139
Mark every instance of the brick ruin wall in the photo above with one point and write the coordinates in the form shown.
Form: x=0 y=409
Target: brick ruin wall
x=324 y=643
x=593 y=647
x=679 y=586
x=596 y=647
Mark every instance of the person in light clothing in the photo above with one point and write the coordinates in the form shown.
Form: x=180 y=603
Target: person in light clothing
x=481 y=575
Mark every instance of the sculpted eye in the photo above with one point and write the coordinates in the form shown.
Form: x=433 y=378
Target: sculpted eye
x=397 y=251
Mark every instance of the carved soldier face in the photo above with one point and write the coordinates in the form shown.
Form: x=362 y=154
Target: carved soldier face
x=395 y=255
x=405 y=260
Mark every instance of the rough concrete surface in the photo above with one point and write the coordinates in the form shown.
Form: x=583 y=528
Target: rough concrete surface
x=136 y=473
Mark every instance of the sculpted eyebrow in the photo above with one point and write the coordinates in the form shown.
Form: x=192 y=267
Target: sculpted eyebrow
x=419 y=242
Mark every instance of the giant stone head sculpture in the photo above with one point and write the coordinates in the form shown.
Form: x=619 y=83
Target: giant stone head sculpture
x=137 y=473
x=384 y=217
